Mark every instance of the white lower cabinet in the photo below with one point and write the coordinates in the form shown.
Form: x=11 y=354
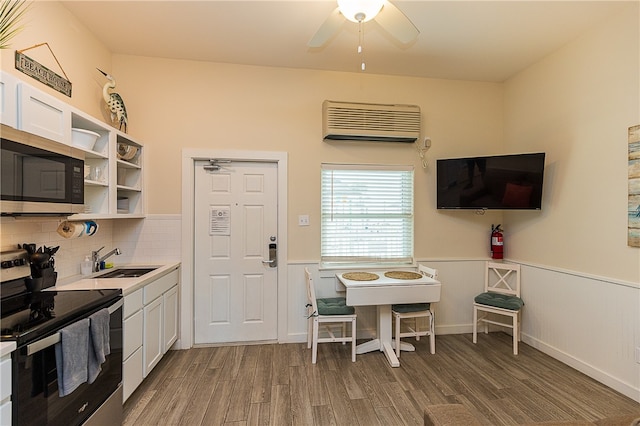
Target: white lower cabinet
x=132 y=373
x=5 y=390
x=152 y=347
x=170 y=320
x=150 y=328
x=132 y=343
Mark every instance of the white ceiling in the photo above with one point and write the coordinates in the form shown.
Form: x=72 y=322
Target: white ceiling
x=467 y=40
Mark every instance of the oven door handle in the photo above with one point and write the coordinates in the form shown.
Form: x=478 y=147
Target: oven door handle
x=41 y=344
x=55 y=338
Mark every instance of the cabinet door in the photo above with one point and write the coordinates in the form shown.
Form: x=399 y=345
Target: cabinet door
x=43 y=115
x=170 y=322
x=5 y=373
x=131 y=374
x=5 y=413
x=153 y=342
x=8 y=100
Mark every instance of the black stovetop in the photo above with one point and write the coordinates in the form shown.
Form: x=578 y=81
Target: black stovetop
x=29 y=316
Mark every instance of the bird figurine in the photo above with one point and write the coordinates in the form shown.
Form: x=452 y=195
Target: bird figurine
x=114 y=101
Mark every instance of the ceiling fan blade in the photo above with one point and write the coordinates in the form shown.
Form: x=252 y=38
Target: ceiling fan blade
x=328 y=29
x=396 y=23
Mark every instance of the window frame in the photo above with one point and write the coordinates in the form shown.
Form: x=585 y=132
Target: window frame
x=403 y=220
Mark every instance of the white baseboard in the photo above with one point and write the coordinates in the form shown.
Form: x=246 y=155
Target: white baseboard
x=453 y=329
x=589 y=370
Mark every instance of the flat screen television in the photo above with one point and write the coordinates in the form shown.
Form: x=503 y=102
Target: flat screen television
x=502 y=182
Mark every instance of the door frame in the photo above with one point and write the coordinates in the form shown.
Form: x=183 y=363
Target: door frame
x=189 y=158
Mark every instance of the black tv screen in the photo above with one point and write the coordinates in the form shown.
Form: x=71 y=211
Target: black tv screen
x=504 y=182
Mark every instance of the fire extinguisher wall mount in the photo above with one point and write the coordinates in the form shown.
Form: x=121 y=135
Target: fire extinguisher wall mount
x=497 y=242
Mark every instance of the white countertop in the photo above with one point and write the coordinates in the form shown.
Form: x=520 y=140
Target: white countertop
x=127 y=285
x=7 y=347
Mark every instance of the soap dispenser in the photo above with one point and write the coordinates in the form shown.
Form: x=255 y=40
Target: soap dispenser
x=85 y=266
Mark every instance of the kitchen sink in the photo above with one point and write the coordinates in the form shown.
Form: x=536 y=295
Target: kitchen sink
x=126 y=273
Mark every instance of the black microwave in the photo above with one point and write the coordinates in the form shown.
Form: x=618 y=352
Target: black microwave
x=39 y=176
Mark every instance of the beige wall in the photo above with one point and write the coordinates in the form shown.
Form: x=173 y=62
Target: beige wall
x=74 y=46
x=576 y=105
x=181 y=104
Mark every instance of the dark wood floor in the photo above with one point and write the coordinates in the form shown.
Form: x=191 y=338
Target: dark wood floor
x=278 y=385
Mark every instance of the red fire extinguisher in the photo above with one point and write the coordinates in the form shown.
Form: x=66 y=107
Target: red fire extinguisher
x=497 y=242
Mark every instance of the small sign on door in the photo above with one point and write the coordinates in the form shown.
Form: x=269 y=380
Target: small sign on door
x=219 y=221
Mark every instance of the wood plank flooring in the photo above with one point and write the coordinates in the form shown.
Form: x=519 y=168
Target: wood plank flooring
x=278 y=385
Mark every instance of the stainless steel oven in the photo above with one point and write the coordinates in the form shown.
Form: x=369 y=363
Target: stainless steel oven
x=39 y=176
x=34 y=321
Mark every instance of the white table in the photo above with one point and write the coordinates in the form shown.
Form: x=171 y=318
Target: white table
x=384 y=292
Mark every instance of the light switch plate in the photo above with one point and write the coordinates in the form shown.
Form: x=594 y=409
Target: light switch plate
x=638 y=354
x=303 y=220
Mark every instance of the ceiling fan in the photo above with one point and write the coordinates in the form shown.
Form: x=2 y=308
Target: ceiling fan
x=382 y=11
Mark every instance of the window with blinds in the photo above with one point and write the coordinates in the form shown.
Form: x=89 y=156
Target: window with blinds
x=367 y=214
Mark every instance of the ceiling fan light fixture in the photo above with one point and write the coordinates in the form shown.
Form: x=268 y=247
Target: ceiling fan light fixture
x=360 y=10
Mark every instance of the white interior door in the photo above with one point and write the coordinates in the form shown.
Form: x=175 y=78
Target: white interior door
x=235 y=222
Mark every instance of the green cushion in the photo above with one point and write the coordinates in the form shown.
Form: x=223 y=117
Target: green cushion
x=334 y=306
x=411 y=307
x=498 y=300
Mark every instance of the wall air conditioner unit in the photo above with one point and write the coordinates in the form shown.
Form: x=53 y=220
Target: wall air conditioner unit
x=348 y=121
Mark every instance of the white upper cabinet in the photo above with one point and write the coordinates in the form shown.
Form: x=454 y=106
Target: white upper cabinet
x=43 y=115
x=113 y=183
x=8 y=100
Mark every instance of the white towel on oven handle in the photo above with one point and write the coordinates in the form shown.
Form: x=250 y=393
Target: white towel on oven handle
x=99 y=346
x=71 y=356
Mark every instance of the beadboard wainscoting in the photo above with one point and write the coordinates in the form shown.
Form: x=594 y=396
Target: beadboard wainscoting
x=590 y=323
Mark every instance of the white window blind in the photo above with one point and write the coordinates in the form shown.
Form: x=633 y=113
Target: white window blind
x=367 y=214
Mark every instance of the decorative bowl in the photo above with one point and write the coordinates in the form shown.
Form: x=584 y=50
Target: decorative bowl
x=126 y=152
x=84 y=139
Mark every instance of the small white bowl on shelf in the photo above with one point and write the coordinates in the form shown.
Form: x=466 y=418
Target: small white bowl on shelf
x=84 y=139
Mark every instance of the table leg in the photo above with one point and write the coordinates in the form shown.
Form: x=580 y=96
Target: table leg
x=404 y=346
x=384 y=342
x=384 y=334
x=370 y=346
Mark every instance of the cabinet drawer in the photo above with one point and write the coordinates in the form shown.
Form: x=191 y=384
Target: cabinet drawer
x=131 y=374
x=155 y=289
x=132 y=303
x=5 y=373
x=133 y=329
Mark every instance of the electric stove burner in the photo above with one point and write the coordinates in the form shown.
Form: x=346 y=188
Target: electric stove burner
x=26 y=317
x=29 y=315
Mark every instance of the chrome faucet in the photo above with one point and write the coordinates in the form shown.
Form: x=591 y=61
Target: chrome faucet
x=97 y=260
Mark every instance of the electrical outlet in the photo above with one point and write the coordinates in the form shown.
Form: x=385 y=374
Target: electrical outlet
x=303 y=220
x=638 y=354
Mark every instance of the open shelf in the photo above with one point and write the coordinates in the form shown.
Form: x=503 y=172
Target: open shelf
x=108 y=177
